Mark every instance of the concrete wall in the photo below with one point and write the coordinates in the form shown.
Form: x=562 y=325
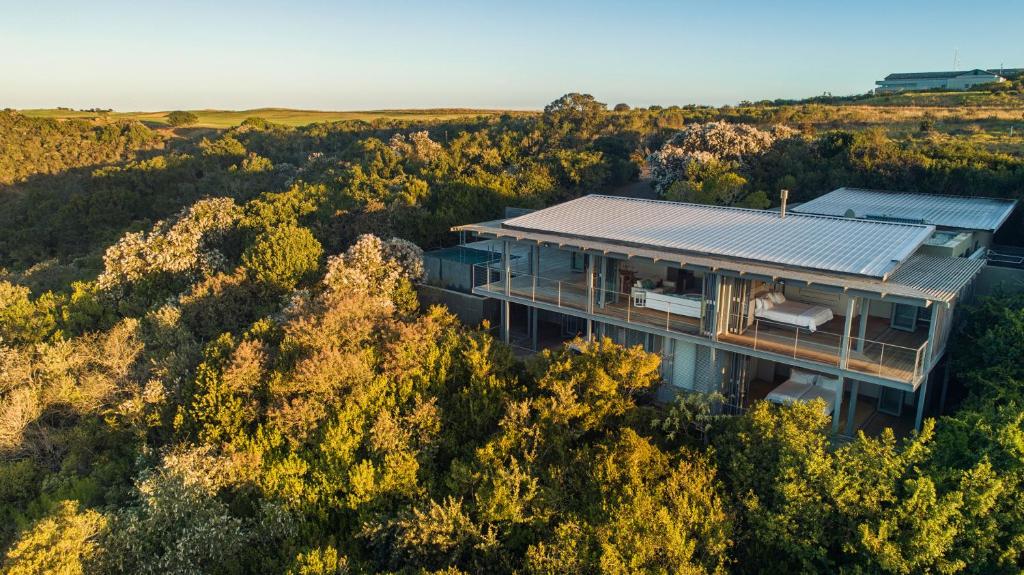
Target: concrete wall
x=469 y=308
x=995 y=279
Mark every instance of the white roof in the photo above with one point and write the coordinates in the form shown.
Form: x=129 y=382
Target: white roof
x=944 y=211
x=842 y=245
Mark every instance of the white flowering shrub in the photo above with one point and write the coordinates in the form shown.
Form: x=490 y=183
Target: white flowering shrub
x=180 y=526
x=177 y=245
x=417 y=146
x=374 y=264
x=701 y=143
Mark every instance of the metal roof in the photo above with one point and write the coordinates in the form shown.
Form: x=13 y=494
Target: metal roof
x=826 y=243
x=939 y=75
x=943 y=211
x=921 y=278
x=942 y=277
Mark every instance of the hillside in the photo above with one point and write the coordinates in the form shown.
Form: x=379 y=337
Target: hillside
x=214 y=358
x=284 y=116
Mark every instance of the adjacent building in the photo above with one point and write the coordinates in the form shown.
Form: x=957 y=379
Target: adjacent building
x=964 y=225
x=955 y=80
x=855 y=309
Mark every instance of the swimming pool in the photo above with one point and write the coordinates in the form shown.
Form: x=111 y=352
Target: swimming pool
x=464 y=255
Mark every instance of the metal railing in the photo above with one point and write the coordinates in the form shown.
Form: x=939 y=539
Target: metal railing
x=887 y=360
x=573 y=295
x=878 y=358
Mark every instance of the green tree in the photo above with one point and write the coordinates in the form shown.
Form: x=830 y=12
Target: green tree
x=23 y=320
x=59 y=543
x=283 y=256
x=574 y=117
x=179 y=118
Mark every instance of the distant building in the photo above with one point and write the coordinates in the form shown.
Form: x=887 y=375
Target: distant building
x=958 y=80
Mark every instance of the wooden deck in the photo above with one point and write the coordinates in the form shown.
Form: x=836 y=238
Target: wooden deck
x=574 y=297
x=886 y=352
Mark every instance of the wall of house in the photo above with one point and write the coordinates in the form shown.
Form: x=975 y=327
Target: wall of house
x=835 y=301
x=469 y=308
x=966 y=81
x=998 y=279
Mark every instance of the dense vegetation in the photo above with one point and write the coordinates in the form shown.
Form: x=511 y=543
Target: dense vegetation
x=213 y=360
x=31 y=146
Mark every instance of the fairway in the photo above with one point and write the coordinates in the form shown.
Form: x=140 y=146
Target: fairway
x=284 y=116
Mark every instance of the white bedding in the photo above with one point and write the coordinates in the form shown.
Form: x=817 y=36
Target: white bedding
x=824 y=393
x=796 y=313
x=791 y=391
x=788 y=392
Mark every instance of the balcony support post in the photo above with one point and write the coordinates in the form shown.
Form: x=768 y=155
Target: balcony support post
x=851 y=412
x=534 y=312
x=839 y=405
x=926 y=364
x=922 y=394
x=590 y=297
x=862 y=329
x=844 y=343
x=506 y=264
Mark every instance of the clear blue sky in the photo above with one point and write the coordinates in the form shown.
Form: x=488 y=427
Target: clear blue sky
x=505 y=54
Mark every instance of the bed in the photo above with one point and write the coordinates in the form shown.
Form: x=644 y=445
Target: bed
x=775 y=307
x=805 y=386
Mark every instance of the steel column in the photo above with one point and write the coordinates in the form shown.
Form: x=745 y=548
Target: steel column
x=851 y=412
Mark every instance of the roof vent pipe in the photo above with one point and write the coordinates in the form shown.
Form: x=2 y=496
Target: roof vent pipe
x=782 y=209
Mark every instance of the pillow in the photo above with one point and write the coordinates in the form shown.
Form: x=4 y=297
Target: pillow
x=758 y=305
x=828 y=383
x=800 y=376
x=777 y=297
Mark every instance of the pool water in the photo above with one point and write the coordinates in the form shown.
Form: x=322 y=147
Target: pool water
x=464 y=255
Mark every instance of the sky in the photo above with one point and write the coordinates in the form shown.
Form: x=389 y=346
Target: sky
x=512 y=54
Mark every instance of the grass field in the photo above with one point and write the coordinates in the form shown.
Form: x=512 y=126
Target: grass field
x=947 y=99
x=288 y=117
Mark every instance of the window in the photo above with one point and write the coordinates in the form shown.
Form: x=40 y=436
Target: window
x=579 y=262
x=904 y=317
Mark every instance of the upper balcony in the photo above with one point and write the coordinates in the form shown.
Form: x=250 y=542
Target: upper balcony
x=566 y=289
x=882 y=352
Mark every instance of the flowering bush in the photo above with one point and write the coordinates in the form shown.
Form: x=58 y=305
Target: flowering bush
x=177 y=245
x=701 y=143
x=375 y=263
x=417 y=146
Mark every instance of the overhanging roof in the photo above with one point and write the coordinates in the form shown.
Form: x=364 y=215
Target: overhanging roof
x=824 y=243
x=961 y=212
x=920 y=278
x=939 y=75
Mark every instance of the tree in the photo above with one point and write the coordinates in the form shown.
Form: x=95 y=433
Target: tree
x=622 y=107
x=23 y=320
x=283 y=256
x=574 y=117
x=180 y=118
x=59 y=543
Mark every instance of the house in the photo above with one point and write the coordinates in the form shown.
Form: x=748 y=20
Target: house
x=956 y=80
x=963 y=225
x=750 y=303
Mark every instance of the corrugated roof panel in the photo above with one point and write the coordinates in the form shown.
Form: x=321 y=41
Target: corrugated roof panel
x=944 y=211
x=815 y=242
x=919 y=277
